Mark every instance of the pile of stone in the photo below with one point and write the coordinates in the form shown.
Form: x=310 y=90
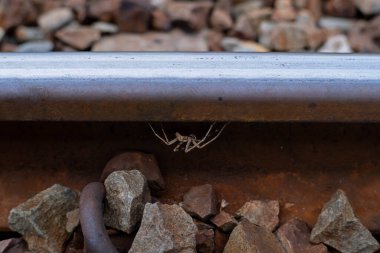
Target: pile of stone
x=138 y=222
x=182 y=25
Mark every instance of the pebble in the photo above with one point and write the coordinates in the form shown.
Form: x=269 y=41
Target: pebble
x=284 y=11
x=295 y=238
x=24 y=33
x=192 y=14
x=338 y=227
x=13 y=245
x=103 y=10
x=244 y=29
x=220 y=18
x=165 y=228
x=78 y=37
x=336 y=44
x=361 y=39
x=201 y=202
x=224 y=221
x=250 y=238
x=105 y=27
x=340 y=8
x=16 y=12
x=55 y=19
x=42 y=219
x=145 y=163
x=35 y=47
x=261 y=213
x=288 y=37
x=160 y=21
x=127 y=193
x=235 y=45
x=133 y=16
x=205 y=238
x=368 y=7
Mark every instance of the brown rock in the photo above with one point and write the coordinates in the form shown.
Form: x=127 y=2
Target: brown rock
x=72 y=220
x=204 y=238
x=244 y=29
x=220 y=241
x=104 y=10
x=42 y=219
x=250 y=238
x=127 y=193
x=288 y=37
x=221 y=19
x=16 y=12
x=191 y=14
x=133 y=16
x=79 y=37
x=14 y=245
x=214 y=38
x=338 y=227
x=160 y=21
x=315 y=7
x=165 y=228
x=79 y=7
x=24 y=33
x=284 y=11
x=55 y=19
x=145 y=163
x=201 y=202
x=340 y=8
x=361 y=38
x=224 y=221
x=261 y=213
x=294 y=237
x=76 y=242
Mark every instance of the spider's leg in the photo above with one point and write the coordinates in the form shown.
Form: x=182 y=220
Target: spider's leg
x=195 y=145
x=196 y=142
x=163 y=131
x=188 y=143
x=200 y=145
x=167 y=142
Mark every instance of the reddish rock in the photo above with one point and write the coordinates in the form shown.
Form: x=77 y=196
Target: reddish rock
x=221 y=19
x=295 y=238
x=214 y=39
x=284 y=11
x=16 y=12
x=145 y=163
x=288 y=37
x=104 y=10
x=201 y=202
x=191 y=14
x=14 y=245
x=315 y=7
x=250 y=238
x=133 y=16
x=204 y=237
x=160 y=21
x=79 y=7
x=224 y=221
x=261 y=213
x=340 y=8
x=220 y=241
x=244 y=29
x=79 y=37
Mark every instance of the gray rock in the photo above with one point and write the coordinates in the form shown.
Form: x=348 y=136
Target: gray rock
x=42 y=219
x=250 y=238
x=127 y=193
x=145 y=163
x=35 y=47
x=79 y=37
x=105 y=28
x=295 y=238
x=338 y=227
x=55 y=19
x=201 y=202
x=336 y=44
x=24 y=33
x=368 y=7
x=261 y=213
x=332 y=23
x=165 y=228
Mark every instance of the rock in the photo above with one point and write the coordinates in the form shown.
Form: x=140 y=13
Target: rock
x=236 y=45
x=284 y=11
x=261 y=213
x=76 y=242
x=201 y=202
x=340 y=8
x=214 y=40
x=79 y=37
x=153 y=41
x=245 y=7
x=361 y=38
x=220 y=240
x=72 y=220
x=104 y=10
x=244 y=29
x=224 y=221
x=79 y=7
x=14 y=245
x=336 y=44
x=221 y=19
x=265 y=30
x=288 y=37
x=250 y=238
x=8 y=47
x=294 y=237
x=332 y=23
x=55 y=19
x=127 y=193
x=204 y=238
x=133 y=16
x=145 y=163
x=2 y=33
x=24 y=33
x=105 y=28
x=315 y=7
x=16 y=12
x=165 y=228
x=160 y=21
x=368 y=7
x=338 y=227
x=42 y=219
x=191 y=14
x=35 y=47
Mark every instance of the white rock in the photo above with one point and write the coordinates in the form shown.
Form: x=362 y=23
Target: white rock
x=55 y=19
x=105 y=27
x=336 y=44
x=368 y=6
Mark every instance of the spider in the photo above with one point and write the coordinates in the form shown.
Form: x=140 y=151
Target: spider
x=190 y=141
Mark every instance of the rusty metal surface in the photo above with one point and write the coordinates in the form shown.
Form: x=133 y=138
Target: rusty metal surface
x=189 y=87
x=300 y=164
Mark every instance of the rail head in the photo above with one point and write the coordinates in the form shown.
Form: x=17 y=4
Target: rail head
x=189 y=87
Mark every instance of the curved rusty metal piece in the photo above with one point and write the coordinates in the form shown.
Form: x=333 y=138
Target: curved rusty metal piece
x=91 y=219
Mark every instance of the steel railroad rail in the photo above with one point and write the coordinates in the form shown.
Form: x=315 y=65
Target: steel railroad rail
x=189 y=87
